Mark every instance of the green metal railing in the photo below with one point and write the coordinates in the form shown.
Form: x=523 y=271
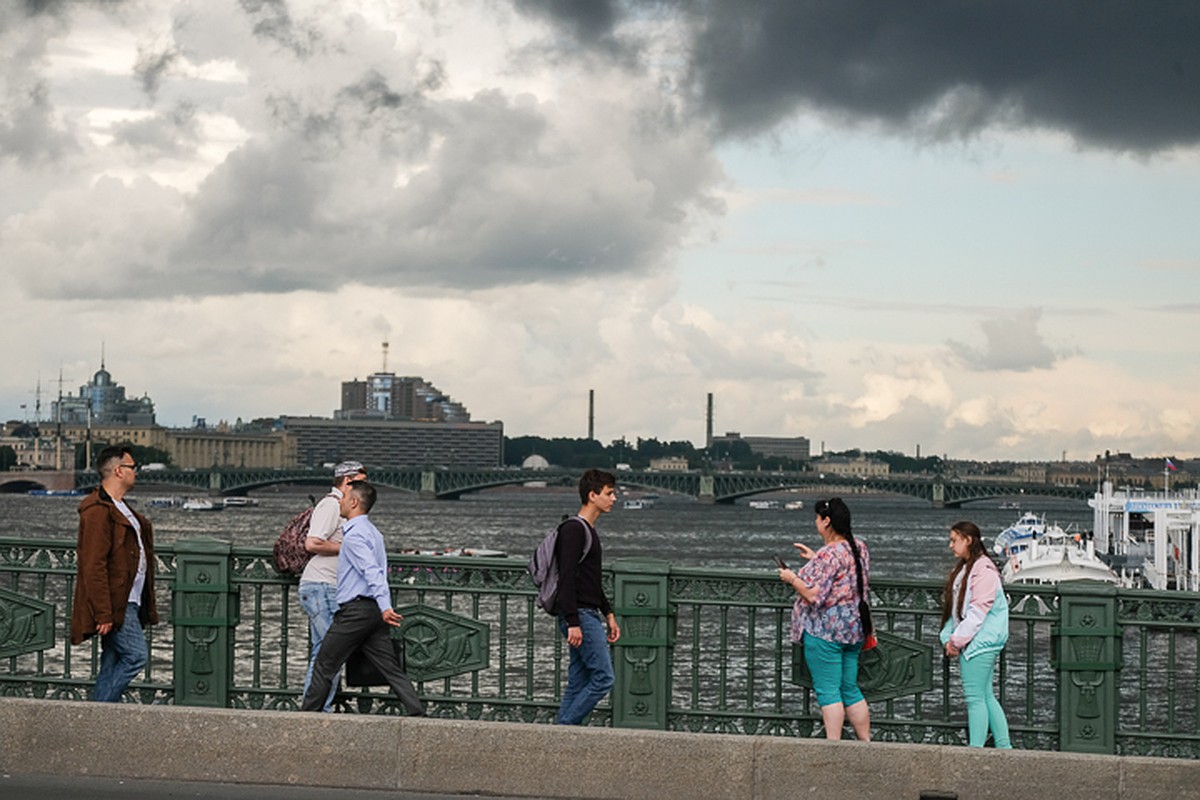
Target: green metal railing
x=1088 y=668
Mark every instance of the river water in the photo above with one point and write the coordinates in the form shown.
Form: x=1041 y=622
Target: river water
x=907 y=538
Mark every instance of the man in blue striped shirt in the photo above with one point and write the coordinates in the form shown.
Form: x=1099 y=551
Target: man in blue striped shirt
x=365 y=612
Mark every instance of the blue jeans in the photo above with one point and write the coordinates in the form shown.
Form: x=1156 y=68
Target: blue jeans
x=123 y=656
x=983 y=709
x=590 y=674
x=834 y=669
x=319 y=601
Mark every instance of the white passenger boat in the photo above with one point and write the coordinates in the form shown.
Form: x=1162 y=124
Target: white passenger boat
x=763 y=504
x=794 y=505
x=1055 y=556
x=239 y=502
x=165 y=502
x=1016 y=537
x=636 y=504
x=199 y=504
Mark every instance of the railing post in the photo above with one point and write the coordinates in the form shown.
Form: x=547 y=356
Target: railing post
x=641 y=696
x=1086 y=652
x=204 y=612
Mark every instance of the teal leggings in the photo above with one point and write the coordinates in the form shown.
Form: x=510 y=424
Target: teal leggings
x=983 y=709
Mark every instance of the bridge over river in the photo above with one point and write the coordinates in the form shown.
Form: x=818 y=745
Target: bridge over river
x=448 y=483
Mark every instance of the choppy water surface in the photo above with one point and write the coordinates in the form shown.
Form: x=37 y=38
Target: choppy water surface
x=907 y=538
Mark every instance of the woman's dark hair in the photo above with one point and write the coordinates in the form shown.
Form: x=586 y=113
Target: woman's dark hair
x=838 y=513
x=975 y=550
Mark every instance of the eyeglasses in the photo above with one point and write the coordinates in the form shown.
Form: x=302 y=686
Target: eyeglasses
x=134 y=466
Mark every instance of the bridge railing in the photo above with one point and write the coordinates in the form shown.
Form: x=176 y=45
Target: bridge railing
x=1087 y=668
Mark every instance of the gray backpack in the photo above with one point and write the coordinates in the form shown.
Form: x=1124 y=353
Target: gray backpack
x=543 y=567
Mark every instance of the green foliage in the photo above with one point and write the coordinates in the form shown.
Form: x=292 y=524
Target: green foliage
x=8 y=458
x=584 y=453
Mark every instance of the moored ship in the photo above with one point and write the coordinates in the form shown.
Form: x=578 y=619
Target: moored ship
x=1152 y=536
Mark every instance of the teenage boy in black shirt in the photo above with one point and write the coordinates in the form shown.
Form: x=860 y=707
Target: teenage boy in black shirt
x=585 y=615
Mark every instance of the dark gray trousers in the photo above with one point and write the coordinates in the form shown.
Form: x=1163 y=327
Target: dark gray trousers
x=357 y=625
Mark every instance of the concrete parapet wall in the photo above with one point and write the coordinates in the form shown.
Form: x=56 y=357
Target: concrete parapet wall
x=464 y=757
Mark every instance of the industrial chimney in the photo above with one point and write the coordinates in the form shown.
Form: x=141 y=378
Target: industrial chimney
x=591 y=414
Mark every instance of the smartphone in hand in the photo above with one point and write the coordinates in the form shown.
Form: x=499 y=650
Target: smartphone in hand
x=779 y=562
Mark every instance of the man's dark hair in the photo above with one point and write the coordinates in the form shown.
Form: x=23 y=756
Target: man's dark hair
x=594 y=480
x=105 y=462
x=365 y=493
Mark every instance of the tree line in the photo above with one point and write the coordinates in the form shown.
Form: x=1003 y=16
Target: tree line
x=584 y=453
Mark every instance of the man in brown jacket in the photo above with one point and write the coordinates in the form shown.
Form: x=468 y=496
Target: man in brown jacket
x=114 y=590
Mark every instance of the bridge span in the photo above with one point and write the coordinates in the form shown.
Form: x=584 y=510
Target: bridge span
x=448 y=483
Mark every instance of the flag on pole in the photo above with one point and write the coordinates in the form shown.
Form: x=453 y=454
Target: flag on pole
x=1171 y=465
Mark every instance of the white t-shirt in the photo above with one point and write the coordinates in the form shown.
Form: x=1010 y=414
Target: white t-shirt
x=139 y=580
x=326 y=523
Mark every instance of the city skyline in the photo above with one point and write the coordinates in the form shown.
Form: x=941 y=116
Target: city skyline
x=876 y=227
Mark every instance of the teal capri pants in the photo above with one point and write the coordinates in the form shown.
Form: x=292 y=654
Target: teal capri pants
x=834 y=669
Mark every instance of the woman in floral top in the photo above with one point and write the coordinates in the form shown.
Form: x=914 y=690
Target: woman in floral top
x=831 y=617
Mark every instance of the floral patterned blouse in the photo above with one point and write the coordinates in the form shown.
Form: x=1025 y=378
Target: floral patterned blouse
x=833 y=613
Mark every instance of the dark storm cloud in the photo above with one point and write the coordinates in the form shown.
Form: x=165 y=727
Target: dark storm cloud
x=493 y=203
x=273 y=20
x=27 y=128
x=1110 y=73
x=587 y=20
x=151 y=67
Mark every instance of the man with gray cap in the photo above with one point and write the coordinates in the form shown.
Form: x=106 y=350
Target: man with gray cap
x=318 y=583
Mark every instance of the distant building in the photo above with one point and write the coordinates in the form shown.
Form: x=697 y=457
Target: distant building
x=112 y=433
x=861 y=467
x=197 y=448
x=105 y=402
x=1030 y=473
x=41 y=452
x=202 y=448
x=797 y=448
x=669 y=464
x=385 y=395
x=395 y=442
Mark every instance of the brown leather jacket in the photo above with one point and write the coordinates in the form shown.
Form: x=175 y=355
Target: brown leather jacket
x=107 y=561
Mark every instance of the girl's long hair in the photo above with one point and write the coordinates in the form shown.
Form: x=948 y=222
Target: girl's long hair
x=969 y=531
x=838 y=513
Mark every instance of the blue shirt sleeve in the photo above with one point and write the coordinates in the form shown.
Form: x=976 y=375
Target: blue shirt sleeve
x=366 y=565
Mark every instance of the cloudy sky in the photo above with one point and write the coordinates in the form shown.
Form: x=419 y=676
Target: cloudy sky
x=971 y=227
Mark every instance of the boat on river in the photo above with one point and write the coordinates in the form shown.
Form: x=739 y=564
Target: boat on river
x=1151 y=536
x=239 y=502
x=1056 y=556
x=200 y=504
x=1016 y=537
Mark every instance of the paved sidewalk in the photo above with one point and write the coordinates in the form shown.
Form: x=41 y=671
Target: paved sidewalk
x=52 y=787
